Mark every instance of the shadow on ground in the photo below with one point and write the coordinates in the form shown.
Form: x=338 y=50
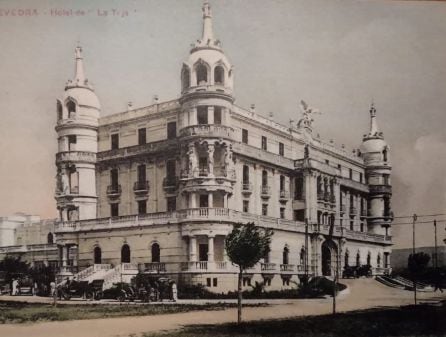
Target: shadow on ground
x=422 y=320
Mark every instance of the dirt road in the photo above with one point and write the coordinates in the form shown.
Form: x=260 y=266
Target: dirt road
x=363 y=293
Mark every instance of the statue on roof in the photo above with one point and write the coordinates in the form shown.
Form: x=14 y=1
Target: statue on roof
x=307 y=116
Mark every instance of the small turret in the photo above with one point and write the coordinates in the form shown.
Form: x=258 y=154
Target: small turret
x=375 y=152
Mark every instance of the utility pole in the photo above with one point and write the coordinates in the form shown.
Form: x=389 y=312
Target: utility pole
x=306 y=251
x=413 y=257
x=435 y=250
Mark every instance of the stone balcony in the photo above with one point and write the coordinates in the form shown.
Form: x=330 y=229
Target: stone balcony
x=217 y=215
x=207 y=266
x=153 y=267
x=284 y=195
x=76 y=156
x=219 y=179
x=114 y=191
x=268 y=268
x=208 y=130
x=141 y=187
x=265 y=191
x=380 y=189
x=246 y=188
x=287 y=268
x=170 y=184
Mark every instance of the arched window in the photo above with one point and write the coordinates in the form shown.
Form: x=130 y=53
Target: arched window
x=125 y=254
x=59 y=110
x=346 y=258
x=369 y=259
x=219 y=75
x=71 y=108
x=285 y=257
x=202 y=74
x=156 y=252
x=97 y=252
x=185 y=78
x=358 y=259
x=50 y=238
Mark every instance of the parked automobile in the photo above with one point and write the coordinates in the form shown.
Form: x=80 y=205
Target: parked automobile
x=73 y=288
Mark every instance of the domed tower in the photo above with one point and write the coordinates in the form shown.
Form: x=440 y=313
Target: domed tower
x=77 y=132
x=204 y=122
x=375 y=153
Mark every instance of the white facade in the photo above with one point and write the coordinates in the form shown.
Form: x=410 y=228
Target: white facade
x=160 y=187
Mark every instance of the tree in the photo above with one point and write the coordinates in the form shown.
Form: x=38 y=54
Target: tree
x=13 y=265
x=245 y=246
x=417 y=263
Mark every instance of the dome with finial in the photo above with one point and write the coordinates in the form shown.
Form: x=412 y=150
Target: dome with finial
x=207 y=65
x=374 y=148
x=79 y=90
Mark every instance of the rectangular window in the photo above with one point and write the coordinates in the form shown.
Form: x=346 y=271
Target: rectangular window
x=171 y=130
x=360 y=177
x=245 y=136
x=299 y=215
x=264 y=209
x=204 y=200
x=72 y=140
x=350 y=173
x=281 y=149
x=208 y=282
x=142 y=136
x=246 y=206
x=142 y=206
x=264 y=143
x=115 y=141
x=327 y=162
x=351 y=225
x=141 y=174
x=171 y=170
x=282 y=212
x=214 y=282
x=202 y=115
x=298 y=186
x=114 y=178
x=217 y=115
x=245 y=174
x=114 y=210
x=203 y=166
x=171 y=204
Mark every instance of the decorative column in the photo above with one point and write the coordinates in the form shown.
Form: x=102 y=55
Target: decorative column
x=65 y=249
x=210 y=115
x=193 y=116
x=210 y=249
x=193 y=200
x=211 y=149
x=225 y=200
x=192 y=248
x=210 y=200
x=192 y=154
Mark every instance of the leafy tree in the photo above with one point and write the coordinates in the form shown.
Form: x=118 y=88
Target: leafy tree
x=11 y=265
x=417 y=263
x=245 y=246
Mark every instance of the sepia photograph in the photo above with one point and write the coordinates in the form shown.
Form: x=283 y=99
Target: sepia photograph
x=224 y=168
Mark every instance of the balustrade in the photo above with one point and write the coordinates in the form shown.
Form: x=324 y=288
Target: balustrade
x=113 y=190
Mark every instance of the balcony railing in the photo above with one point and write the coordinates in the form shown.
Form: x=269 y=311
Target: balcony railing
x=320 y=196
x=73 y=156
x=155 y=267
x=385 y=189
x=246 y=188
x=284 y=268
x=203 y=172
x=353 y=210
x=141 y=186
x=114 y=190
x=209 y=130
x=363 y=212
x=342 y=208
x=284 y=195
x=170 y=184
x=265 y=191
x=267 y=267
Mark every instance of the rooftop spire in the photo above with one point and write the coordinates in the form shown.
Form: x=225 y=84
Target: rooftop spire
x=374 y=129
x=208 y=34
x=207 y=40
x=79 y=74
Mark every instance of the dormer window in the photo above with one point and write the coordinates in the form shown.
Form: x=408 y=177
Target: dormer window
x=219 y=75
x=202 y=74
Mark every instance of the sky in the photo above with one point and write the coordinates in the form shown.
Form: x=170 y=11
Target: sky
x=339 y=56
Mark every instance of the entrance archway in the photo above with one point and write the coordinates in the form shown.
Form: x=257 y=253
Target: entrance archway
x=329 y=249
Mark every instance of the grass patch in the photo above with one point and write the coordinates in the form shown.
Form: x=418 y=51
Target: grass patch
x=20 y=312
x=422 y=320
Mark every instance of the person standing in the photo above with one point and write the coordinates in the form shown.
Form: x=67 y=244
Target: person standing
x=174 y=292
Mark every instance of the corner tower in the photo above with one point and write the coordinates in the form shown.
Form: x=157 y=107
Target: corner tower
x=77 y=131
x=204 y=122
x=375 y=153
